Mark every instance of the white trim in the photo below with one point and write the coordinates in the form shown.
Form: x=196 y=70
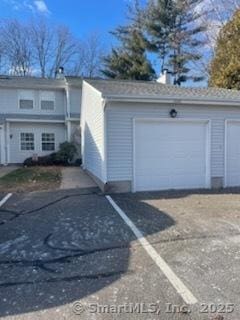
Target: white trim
x=35 y=120
x=175 y=281
x=189 y=120
x=41 y=92
x=92 y=87
x=73 y=119
x=171 y=100
x=134 y=156
x=104 y=169
x=2 y=145
x=69 y=131
x=68 y=101
x=227 y=121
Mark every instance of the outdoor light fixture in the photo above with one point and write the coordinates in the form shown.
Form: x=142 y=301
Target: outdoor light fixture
x=173 y=113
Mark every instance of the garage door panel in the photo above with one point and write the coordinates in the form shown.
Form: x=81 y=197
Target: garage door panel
x=233 y=154
x=171 y=155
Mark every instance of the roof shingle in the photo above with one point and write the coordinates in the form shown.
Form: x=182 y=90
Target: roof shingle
x=111 y=88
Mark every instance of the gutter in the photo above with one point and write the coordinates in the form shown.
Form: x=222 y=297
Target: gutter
x=172 y=100
x=34 y=120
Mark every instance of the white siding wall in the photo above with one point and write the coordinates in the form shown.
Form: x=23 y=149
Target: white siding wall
x=18 y=156
x=75 y=100
x=9 y=102
x=119 y=118
x=92 y=124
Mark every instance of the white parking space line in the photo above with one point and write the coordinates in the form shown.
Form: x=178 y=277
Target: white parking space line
x=182 y=290
x=5 y=199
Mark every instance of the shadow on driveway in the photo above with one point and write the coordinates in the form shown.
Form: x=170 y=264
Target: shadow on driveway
x=59 y=247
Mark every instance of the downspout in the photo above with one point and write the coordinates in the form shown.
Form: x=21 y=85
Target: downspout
x=68 y=112
x=7 y=147
x=104 y=103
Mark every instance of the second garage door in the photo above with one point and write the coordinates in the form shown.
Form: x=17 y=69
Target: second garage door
x=170 y=154
x=232 y=172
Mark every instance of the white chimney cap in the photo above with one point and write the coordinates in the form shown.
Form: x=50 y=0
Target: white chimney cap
x=60 y=73
x=165 y=77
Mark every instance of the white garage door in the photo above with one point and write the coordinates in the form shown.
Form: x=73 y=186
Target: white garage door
x=170 y=155
x=232 y=175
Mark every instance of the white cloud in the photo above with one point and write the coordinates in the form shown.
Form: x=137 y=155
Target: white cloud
x=41 y=6
x=36 y=6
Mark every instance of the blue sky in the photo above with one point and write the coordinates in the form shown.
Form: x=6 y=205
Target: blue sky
x=83 y=17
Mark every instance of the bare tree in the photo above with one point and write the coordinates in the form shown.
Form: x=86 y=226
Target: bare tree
x=17 y=47
x=65 y=49
x=89 y=59
x=93 y=56
x=42 y=39
x=40 y=48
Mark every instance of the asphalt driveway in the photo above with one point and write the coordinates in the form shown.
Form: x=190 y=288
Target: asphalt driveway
x=69 y=255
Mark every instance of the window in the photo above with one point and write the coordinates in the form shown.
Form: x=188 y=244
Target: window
x=48 y=141
x=47 y=100
x=27 y=141
x=26 y=99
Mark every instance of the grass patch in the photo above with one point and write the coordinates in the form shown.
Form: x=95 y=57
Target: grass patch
x=31 y=179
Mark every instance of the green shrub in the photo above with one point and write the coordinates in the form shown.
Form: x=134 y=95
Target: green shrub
x=66 y=153
x=64 y=156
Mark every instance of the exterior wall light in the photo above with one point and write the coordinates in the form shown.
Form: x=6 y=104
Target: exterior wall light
x=173 y=113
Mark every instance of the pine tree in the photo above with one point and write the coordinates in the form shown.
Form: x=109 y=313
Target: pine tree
x=174 y=34
x=129 y=60
x=225 y=67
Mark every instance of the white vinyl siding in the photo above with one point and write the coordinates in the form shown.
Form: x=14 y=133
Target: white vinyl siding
x=10 y=102
x=93 y=132
x=26 y=99
x=17 y=155
x=48 y=141
x=27 y=141
x=120 y=133
x=47 y=100
x=75 y=100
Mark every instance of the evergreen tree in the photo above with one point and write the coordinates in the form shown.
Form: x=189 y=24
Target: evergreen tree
x=225 y=67
x=129 y=60
x=174 y=34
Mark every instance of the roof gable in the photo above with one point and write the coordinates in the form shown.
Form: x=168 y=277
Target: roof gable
x=155 y=90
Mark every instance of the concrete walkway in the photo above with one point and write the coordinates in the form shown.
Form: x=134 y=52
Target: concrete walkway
x=5 y=170
x=76 y=178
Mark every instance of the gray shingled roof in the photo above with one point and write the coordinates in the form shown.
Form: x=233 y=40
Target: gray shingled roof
x=31 y=82
x=74 y=81
x=138 y=89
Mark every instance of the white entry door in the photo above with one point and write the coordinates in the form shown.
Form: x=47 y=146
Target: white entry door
x=232 y=156
x=171 y=154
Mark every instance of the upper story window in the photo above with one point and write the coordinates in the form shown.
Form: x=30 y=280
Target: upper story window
x=47 y=100
x=26 y=99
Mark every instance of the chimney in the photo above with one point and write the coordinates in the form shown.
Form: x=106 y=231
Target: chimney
x=60 y=73
x=165 y=77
